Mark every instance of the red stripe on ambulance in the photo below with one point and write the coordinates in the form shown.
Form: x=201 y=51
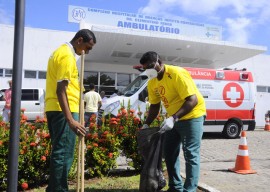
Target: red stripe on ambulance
x=211 y=74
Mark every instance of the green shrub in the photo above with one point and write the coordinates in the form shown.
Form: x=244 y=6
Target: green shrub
x=103 y=146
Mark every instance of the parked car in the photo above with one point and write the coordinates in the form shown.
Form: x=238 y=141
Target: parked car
x=32 y=100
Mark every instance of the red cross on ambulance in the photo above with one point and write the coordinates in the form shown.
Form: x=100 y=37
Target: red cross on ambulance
x=233 y=95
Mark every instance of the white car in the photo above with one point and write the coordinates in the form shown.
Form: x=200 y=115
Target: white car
x=32 y=100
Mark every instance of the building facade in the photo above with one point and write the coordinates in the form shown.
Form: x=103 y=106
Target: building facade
x=110 y=65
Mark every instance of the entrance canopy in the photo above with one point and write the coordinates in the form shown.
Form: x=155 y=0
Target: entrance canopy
x=126 y=47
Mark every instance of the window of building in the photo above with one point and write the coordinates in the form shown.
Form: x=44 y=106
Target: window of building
x=1 y=72
x=8 y=72
x=90 y=77
x=41 y=74
x=30 y=74
x=107 y=81
x=123 y=79
x=261 y=89
x=107 y=78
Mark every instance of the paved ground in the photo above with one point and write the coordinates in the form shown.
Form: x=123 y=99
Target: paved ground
x=219 y=154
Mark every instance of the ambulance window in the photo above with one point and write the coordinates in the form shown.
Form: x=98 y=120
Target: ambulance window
x=262 y=89
x=134 y=86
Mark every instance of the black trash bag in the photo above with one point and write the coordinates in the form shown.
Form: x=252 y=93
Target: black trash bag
x=150 y=147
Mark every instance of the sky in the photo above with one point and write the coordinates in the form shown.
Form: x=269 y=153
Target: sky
x=242 y=21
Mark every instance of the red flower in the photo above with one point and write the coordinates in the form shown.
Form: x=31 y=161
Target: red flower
x=1 y=143
x=110 y=155
x=33 y=144
x=131 y=110
x=136 y=120
x=24 y=185
x=24 y=117
x=95 y=144
x=88 y=136
x=43 y=158
x=95 y=135
x=92 y=125
x=106 y=132
x=89 y=147
x=113 y=123
x=124 y=111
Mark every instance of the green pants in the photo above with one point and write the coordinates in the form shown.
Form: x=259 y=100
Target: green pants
x=187 y=133
x=63 y=143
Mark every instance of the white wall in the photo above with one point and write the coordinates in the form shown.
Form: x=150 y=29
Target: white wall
x=38 y=45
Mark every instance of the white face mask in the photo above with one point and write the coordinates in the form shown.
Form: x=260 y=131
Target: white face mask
x=151 y=73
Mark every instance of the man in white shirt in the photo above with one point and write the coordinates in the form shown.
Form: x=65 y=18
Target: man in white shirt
x=92 y=104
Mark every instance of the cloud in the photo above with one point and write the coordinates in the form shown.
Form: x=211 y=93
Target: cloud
x=238 y=18
x=237 y=30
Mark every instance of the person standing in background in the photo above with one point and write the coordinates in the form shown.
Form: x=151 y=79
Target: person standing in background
x=62 y=106
x=7 y=99
x=92 y=104
x=103 y=97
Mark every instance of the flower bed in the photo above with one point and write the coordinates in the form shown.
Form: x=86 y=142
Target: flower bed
x=103 y=145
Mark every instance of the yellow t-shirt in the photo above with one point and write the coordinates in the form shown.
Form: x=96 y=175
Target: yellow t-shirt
x=62 y=66
x=173 y=88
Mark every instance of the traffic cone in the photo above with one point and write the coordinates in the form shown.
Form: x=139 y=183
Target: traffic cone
x=242 y=164
x=267 y=124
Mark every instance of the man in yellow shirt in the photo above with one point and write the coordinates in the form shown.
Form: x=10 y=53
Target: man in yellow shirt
x=174 y=87
x=62 y=106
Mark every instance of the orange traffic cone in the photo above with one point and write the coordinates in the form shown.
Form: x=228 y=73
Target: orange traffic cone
x=267 y=124
x=242 y=164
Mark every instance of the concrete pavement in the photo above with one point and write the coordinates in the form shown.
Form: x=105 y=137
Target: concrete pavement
x=219 y=154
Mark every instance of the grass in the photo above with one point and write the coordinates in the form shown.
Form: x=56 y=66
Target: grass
x=126 y=181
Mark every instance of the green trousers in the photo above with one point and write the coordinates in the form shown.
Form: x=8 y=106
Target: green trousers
x=187 y=133
x=63 y=143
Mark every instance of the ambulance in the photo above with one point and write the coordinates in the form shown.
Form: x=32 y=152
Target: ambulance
x=229 y=96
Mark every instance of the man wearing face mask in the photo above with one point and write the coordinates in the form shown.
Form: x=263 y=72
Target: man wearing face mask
x=174 y=87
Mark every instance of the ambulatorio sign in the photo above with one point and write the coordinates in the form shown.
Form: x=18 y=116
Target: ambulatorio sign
x=143 y=22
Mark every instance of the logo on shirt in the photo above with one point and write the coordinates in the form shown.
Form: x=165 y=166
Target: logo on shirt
x=164 y=100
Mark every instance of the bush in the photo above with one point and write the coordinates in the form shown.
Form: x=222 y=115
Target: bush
x=103 y=146
x=34 y=150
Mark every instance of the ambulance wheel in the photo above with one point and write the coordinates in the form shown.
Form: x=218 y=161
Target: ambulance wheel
x=232 y=129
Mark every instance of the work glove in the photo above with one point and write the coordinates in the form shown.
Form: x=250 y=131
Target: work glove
x=167 y=124
x=145 y=126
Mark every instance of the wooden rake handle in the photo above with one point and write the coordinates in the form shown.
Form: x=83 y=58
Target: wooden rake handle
x=80 y=166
